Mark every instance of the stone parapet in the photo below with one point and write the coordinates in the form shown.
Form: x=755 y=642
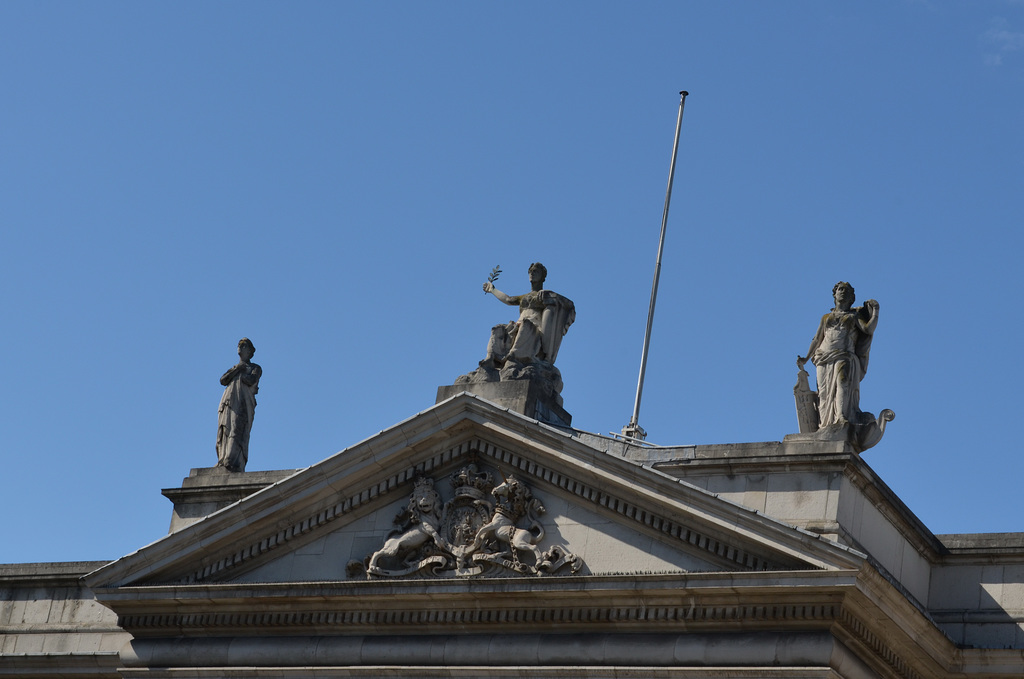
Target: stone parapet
x=965 y=544
x=60 y=573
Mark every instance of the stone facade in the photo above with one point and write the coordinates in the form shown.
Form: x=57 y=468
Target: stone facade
x=778 y=559
x=52 y=625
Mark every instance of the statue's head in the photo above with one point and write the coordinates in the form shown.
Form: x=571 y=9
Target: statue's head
x=246 y=349
x=424 y=500
x=538 y=272
x=514 y=493
x=843 y=290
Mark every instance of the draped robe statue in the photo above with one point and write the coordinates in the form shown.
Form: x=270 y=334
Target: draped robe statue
x=544 y=318
x=840 y=351
x=519 y=371
x=237 y=407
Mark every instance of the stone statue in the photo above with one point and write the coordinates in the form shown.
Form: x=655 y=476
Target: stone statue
x=237 y=406
x=544 y=318
x=840 y=352
x=519 y=370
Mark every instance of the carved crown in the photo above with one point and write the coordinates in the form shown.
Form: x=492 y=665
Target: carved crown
x=470 y=482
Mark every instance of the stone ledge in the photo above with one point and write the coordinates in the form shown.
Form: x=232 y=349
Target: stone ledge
x=796 y=447
x=94 y=665
x=816 y=443
x=208 y=489
x=205 y=477
x=55 y=572
x=978 y=543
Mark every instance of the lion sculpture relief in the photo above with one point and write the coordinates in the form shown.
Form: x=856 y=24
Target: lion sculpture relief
x=418 y=526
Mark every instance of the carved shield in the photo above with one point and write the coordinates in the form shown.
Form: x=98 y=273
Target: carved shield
x=464 y=517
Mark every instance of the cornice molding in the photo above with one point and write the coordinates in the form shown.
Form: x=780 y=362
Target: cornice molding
x=842 y=603
x=881 y=650
x=860 y=608
x=638 y=618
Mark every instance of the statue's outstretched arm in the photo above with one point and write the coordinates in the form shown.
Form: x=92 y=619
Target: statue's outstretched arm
x=507 y=299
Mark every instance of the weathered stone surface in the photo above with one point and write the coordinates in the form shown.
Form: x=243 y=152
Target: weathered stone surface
x=776 y=559
x=208 y=489
x=523 y=353
x=544 y=318
x=484 y=528
x=237 y=408
x=806 y=404
x=527 y=397
x=823 y=487
x=517 y=655
x=51 y=624
x=840 y=351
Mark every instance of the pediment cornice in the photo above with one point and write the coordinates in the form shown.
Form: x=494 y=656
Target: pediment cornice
x=381 y=469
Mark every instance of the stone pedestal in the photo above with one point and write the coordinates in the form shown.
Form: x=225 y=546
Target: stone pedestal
x=818 y=442
x=527 y=397
x=208 y=489
x=859 y=436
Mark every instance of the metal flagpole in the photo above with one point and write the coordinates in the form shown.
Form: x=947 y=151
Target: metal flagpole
x=633 y=429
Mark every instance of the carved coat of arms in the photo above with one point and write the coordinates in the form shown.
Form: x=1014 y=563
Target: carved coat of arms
x=484 y=529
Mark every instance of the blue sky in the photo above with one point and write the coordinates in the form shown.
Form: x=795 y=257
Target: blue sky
x=336 y=180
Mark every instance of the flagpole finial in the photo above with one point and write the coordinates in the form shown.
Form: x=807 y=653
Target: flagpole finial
x=683 y=93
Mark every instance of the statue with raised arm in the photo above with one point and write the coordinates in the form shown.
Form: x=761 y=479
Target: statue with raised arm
x=544 y=318
x=237 y=406
x=519 y=370
x=840 y=351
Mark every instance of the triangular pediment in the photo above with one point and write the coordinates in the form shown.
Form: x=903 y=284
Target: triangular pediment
x=590 y=513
